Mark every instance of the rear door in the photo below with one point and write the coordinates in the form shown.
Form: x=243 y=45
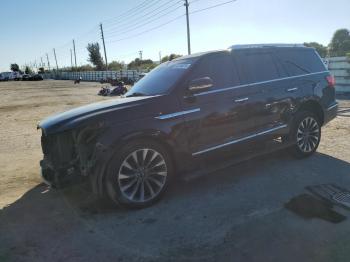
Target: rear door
x=261 y=76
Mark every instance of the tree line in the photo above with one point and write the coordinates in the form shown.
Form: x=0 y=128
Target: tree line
x=96 y=59
x=338 y=46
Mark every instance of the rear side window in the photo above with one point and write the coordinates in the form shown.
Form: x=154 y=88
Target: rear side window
x=256 y=66
x=299 y=62
x=219 y=67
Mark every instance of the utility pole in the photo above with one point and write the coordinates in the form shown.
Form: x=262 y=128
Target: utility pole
x=71 y=59
x=188 y=28
x=140 y=52
x=104 y=45
x=42 y=63
x=54 y=52
x=48 y=62
x=75 y=55
x=160 y=57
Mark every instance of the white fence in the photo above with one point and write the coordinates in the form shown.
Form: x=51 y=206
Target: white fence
x=94 y=75
x=340 y=68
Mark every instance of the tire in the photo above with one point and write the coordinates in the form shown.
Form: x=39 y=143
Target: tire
x=139 y=174
x=305 y=133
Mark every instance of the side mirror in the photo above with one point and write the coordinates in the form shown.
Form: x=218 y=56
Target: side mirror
x=200 y=85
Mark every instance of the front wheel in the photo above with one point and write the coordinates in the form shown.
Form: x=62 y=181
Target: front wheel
x=139 y=174
x=305 y=134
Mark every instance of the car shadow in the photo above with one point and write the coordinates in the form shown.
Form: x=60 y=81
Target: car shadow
x=80 y=198
x=29 y=224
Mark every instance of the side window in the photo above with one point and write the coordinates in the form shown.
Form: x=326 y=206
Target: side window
x=257 y=66
x=299 y=62
x=219 y=68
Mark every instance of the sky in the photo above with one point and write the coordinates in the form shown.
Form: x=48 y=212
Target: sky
x=32 y=28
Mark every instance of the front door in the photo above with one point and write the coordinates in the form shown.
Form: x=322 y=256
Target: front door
x=212 y=115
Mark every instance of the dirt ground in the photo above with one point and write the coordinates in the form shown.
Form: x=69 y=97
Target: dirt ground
x=22 y=105
x=236 y=214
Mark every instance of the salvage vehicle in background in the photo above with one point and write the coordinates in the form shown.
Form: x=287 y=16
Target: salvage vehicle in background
x=5 y=76
x=35 y=77
x=16 y=76
x=26 y=77
x=183 y=113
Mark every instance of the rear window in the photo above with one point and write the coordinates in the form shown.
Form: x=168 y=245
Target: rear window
x=299 y=62
x=256 y=66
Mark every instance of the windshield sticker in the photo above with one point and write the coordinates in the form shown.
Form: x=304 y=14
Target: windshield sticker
x=181 y=66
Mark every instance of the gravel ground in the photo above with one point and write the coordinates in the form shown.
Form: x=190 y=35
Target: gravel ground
x=235 y=214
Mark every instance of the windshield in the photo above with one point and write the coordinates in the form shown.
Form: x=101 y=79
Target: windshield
x=161 y=79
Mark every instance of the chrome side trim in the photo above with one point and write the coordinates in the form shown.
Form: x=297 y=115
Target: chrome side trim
x=292 y=89
x=258 y=83
x=239 y=140
x=242 y=100
x=333 y=106
x=173 y=115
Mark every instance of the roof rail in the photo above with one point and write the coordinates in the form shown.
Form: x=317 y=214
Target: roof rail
x=264 y=46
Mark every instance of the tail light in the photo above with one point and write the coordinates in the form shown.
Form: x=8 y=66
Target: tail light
x=331 y=81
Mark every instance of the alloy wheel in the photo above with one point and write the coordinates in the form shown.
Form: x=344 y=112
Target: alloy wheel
x=308 y=135
x=142 y=175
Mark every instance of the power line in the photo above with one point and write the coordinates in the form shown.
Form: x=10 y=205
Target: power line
x=132 y=13
x=141 y=19
x=149 y=30
x=170 y=21
x=129 y=11
x=143 y=23
x=211 y=7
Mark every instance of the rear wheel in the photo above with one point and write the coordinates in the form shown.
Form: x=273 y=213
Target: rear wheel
x=305 y=134
x=139 y=174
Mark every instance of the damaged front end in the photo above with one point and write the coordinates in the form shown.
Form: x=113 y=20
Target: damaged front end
x=69 y=156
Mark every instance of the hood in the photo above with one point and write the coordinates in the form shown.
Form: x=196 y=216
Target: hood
x=70 y=119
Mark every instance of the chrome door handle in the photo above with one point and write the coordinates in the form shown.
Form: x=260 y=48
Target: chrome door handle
x=292 y=89
x=241 y=100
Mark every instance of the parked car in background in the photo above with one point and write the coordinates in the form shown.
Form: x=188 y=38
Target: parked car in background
x=5 y=76
x=26 y=77
x=16 y=76
x=185 y=111
x=36 y=77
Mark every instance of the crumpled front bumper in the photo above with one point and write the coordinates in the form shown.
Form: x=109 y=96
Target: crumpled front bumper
x=58 y=178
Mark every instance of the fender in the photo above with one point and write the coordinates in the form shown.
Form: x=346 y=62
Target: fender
x=104 y=153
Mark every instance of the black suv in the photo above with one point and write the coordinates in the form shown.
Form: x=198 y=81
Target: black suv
x=186 y=110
